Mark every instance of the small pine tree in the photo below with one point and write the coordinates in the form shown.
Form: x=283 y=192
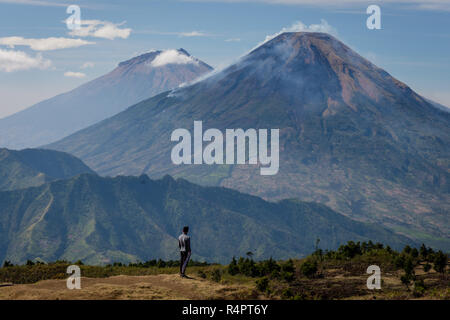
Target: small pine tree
x=407 y=249
x=288 y=270
x=399 y=261
x=405 y=280
x=161 y=263
x=409 y=275
x=440 y=262
x=7 y=264
x=409 y=267
x=423 y=251
x=233 y=268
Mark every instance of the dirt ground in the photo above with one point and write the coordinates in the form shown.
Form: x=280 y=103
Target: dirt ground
x=154 y=287
x=333 y=285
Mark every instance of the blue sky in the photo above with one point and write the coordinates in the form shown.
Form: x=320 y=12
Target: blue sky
x=413 y=43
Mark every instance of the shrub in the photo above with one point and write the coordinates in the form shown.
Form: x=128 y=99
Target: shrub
x=269 y=267
x=419 y=288
x=288 y=266
x=407 y=250
x=7 y=264
x=288 y=270
x=426 y=267
x=351 y=249
x=275 y=274
x=405 y=279
x=287 y=276
x=247 y=267
x=287 y=294
x=308 y=268
x=399 y=261
x=216 y=275
x=161 y=264
x=423 y=251
x=201 y=274
x=233 y=268
x=262 y=284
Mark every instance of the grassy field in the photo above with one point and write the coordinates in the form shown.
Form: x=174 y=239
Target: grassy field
x=341 y=274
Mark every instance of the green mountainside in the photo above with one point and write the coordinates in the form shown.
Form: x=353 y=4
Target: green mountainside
x=100 y=220
x=33 y=167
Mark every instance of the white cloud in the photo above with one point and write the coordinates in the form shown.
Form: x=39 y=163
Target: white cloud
x=72 y=74
x=101 y=29
x=233 y=40
x=11 y=60
x=192 y=34
x=44 y=44
x=87 y=65
x=172 y=57
x=179 y=34
x=36 y=3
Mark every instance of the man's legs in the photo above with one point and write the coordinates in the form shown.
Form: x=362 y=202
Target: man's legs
x=185 y=263
x=183 y=255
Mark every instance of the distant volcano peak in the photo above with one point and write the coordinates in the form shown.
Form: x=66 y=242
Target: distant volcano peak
x=305 y=44
x=150 y=56
x=303 y=34
x=131 y=81
x=320 y=69
x=181 y=50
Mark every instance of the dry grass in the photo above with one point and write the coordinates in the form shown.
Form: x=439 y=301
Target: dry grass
x=345 y=282
x=152 y=287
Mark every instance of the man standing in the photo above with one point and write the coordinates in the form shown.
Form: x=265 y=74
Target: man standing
x=184 y=243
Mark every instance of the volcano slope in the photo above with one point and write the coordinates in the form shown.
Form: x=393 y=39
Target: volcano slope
x=351 y=136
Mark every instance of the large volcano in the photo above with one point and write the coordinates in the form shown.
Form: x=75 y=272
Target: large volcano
x=351 y=136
